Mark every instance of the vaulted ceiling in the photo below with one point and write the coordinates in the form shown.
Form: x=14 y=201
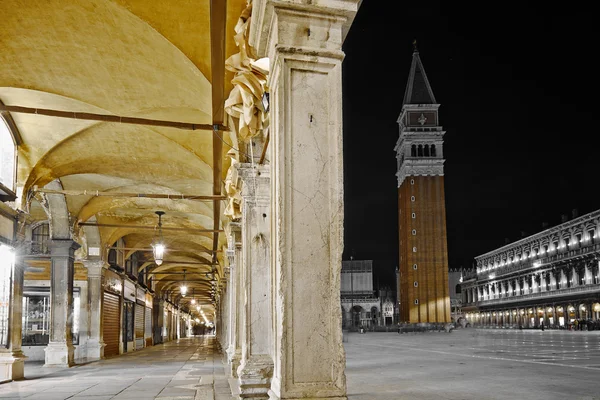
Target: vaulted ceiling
x=153 y=60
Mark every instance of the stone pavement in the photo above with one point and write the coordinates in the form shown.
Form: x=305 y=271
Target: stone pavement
x=467 y=364
x=185 y=369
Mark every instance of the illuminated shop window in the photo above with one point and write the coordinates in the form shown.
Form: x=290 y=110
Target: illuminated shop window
x=7 y=156
x=36 y=316
x=7 y=261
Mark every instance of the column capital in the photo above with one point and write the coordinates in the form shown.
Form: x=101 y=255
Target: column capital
x=63 y=247
x=266 y=13
x=255 y=181
x=94 y=267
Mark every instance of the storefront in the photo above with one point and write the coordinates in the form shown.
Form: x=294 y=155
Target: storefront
x=129 y=293
x=140 y=313
x=10 y=367
x=148 y=320
x=35 y=315
x=111 y=315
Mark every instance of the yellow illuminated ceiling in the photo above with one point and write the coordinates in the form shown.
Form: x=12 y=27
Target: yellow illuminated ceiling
x=135 y=58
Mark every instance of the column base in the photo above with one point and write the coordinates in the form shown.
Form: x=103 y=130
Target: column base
x=95 y=350
x=12 y=366
x=59 y=355
x=236 y=360
x=254 y=377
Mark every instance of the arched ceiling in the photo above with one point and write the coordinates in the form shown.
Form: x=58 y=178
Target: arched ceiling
x=131 y=58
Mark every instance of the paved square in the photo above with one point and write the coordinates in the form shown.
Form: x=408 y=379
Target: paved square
x=474 y=364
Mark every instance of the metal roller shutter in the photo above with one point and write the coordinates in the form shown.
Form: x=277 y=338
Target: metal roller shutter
x=148 y=327
x=139 y=326
x=110 y=320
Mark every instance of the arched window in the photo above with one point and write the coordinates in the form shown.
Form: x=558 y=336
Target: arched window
x=413 y=151
x=433 y=151
x=426 y=150
x=458 y=289
x=420 y=150
x=40 y=235
x=8 y=151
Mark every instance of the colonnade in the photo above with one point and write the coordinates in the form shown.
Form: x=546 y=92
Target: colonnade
x=279 y=315
x=560 y=314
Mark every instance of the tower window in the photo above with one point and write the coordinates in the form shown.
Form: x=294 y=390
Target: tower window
x=414 y=232
x=414 y=266
x=433 y=151
x=420 y=150
x=412 y=181
x=412 y=198
x=413 y=150
x=416 y=301
x=426 y=150
x=414 y=249
x=414 y=215
x=415 y=284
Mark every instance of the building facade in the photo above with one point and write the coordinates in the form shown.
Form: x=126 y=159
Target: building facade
x=548 y=279
x=423 y=282
x=455 y=278
x=362 y=304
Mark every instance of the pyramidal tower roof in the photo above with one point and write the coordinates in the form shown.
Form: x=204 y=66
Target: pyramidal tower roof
x=418 y=90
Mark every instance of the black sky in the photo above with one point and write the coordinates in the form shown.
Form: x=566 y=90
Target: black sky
x=517 y=84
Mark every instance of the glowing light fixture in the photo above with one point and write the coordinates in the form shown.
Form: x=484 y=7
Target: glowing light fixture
x=183 y=287
x=158 y=247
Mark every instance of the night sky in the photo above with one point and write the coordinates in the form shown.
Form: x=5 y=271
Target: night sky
x=518 y=88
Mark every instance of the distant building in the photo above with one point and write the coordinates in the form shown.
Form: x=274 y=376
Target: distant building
x=455 y=278
x=423 y=283
x=363 y=305
x=549 y=278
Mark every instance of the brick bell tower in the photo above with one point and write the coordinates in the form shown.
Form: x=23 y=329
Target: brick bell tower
x=423 y=293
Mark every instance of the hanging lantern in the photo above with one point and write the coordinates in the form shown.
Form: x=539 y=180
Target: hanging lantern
x=158 y=247
x=183 y=287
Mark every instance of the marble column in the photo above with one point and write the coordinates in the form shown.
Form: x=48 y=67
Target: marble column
x=303 y=41
x=59 y=352
x=95 y=343
x=234 y=351
x=160 y=323
x=12 y=359
x=256 y=367
x=237 y=354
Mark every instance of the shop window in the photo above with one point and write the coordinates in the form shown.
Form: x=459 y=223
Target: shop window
x=8 y=152
x=7 y=260
x=40 y=238
x=36 y=316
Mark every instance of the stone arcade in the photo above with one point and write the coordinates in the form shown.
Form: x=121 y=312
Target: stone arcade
x=225 y=116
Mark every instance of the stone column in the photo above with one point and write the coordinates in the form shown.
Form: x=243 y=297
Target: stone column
x=95 y=343
x=303 y=41
x=12 y=359
x=59 y=352
x=160 y=323
x=236 y=357
x=233 y=351
x=256 y=368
